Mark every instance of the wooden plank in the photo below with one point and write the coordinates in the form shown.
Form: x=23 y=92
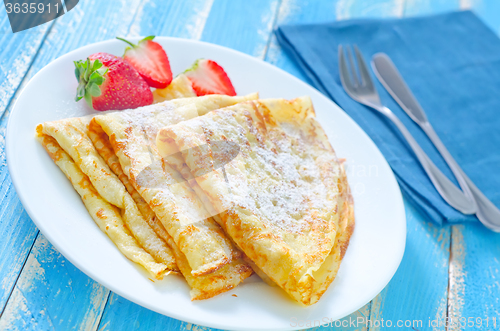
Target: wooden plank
x=347 y=9
x=141 y=318
x=245 y=26
x=299 y=12
x=182 y=19
x=354 y=322
x=51 y=293
x=419 y=290
x=317 y=11
x=474 y=299
x=121 y=314
x=428 y=7
x=16 y=55
x=474 y=287
x=90 y=21
x=18 y=232
x=487 y=10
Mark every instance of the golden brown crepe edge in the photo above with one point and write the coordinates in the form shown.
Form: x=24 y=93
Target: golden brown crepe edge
x=105 y=215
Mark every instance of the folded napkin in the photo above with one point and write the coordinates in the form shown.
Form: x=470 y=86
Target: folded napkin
x=451 y=62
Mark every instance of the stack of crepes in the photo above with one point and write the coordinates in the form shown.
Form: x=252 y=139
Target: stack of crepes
x=279 y=204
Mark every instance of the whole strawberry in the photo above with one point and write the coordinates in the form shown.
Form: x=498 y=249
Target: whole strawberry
x=107 y=82
x=150 y=61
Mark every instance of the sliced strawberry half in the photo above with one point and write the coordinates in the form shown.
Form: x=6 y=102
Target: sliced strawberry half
x=207 y=77
x=150 y=60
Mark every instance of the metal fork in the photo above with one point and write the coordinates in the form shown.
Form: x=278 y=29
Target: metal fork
x=360 y=88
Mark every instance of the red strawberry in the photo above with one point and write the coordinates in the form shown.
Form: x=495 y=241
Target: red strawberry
x=108 y=82
x=208 y=77
x=150 y=60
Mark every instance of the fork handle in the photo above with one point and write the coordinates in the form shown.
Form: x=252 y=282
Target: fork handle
x=448 y=191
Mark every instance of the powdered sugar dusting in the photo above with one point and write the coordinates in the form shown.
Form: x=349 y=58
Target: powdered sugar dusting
x=151 y=118
x=292 y=188
x=145 y=123
x=151 y=173
x=275 y=176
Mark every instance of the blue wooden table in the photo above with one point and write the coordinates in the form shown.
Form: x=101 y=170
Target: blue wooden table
x=447 y=272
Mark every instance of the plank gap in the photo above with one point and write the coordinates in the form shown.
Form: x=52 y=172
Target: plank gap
x=19 y=274
x=102 y=311
x=139 y=8
x=27 y=71
x=450 y=259
x=403 y=8
x=275 y=20
x=369 y=314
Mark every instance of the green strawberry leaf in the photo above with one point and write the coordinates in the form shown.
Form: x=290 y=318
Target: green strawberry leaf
x=96 y=78
x=80 y=92
x=147 y=38
x=194 y=66
x=79 y=69
x=88 y=69
x=94 y=90
x=102 y=72
x=90 y=75
x=88 y=98
x=96 y=65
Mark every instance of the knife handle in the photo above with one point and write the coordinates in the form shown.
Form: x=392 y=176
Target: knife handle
x=486 y=212
x=448 y=191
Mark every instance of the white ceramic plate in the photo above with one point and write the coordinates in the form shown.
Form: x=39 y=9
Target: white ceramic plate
x=371 y=260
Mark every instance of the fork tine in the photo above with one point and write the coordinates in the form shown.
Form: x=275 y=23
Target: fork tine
x=354 y=73
x=344 y=72
x=363 y=69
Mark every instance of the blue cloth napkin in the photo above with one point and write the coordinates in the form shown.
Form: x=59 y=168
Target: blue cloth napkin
x=451 y=62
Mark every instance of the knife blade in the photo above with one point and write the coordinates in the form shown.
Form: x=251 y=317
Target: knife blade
x=390 y=77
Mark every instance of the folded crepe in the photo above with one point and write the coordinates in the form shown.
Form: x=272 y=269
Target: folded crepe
x=284 y=199
x=88 y=160
x=107 y=217
x=132 y=135
x=118 y=211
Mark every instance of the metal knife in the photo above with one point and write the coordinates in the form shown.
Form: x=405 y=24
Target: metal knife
x=391 y=79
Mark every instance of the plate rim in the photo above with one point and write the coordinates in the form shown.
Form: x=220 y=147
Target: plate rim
x=14 y=174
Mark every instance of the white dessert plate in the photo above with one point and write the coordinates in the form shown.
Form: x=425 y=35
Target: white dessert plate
x=372 y=258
